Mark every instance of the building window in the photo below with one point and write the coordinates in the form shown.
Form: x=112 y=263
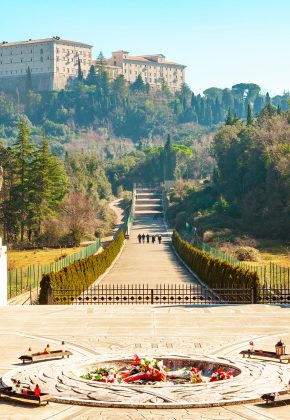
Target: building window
x=21 y=60
x=57 y=69
x=41 y=59
x=41 y=50
x=10 y=61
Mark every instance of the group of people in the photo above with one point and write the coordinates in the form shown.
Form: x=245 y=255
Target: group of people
x=21 y=389
x=143 y=237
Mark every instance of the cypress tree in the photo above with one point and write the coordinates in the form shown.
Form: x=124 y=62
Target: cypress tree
x=268 y=99
x=80 y=73
x=28 y=81
x=92 y=76
x=20 y=193
x=49 y=183
x=169 y=160
x=229 y=118
x=250 y=118
x=138 y=85
x=279 y=111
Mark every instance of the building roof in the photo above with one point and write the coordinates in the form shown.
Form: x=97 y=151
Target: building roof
x=120 y=51
x=146 y=59
x=38 y=41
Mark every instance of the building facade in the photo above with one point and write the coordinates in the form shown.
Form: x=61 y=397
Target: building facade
x=154 y=69
x=52 y=62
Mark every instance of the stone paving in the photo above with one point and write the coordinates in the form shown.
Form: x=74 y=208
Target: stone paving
x=107 y=331
x=148 y=263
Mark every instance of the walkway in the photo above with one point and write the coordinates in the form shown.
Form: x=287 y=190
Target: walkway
x=148 y=263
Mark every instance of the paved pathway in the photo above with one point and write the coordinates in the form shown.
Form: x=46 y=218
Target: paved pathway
x=148 y=263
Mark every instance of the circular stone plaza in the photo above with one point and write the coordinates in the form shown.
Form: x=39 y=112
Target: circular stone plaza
x=207 y=336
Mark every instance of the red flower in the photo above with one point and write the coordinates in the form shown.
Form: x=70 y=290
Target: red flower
x=137 y=360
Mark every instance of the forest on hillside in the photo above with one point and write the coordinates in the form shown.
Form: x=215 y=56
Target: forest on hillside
x=250 y=188
x=66 y=153
x=113 y=117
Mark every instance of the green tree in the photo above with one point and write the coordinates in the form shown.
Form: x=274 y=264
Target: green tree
x=28 y=80
x=250 y=118
x=169 y=160
x=138 y=85
x=21 y=191
x=92 y=76
x=49 y=184
x=80 y=73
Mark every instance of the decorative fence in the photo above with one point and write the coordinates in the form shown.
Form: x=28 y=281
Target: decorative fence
x=21 y=280
x=271 y=275
x=178 y=294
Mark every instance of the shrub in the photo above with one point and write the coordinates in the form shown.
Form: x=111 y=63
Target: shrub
x=215 y=272
x=247 y=253
x=81 y=274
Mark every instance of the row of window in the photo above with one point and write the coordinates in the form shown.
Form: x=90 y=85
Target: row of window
x=23 y=71
x=21 y=60
x=25 y=52
x=145 y=67
x=37 y=70
x=84 y=53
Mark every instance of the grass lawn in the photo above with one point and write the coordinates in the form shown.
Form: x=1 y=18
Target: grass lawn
x=18 y=259
x=275 y=251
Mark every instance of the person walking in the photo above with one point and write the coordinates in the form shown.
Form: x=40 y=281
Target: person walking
x=143 y=238
x=148 y=238
x=153 y=239
x=139 y=238
x=159 y=239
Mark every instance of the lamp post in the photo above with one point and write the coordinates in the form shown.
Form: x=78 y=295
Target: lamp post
x=280 y=348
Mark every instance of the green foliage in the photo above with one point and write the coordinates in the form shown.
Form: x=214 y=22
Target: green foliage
x=216 y=273
x=81 y=274
x=253 y=170
x=169 y=160
x=35 y=185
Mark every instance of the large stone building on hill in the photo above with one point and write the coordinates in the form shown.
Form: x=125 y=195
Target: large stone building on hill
x=52 y=62
x=154 y=69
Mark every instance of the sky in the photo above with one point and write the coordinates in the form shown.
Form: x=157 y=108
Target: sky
x=222 y=42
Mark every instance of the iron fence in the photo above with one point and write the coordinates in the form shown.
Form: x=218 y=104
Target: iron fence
x=177 y=294
x=22 y=280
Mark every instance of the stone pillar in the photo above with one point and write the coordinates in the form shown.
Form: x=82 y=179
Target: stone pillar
x=3 y=274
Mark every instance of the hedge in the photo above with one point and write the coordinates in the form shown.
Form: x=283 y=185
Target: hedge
x=82 y=273
x=216 y=273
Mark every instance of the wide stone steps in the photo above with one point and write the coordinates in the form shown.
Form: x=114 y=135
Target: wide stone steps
x=148 y=203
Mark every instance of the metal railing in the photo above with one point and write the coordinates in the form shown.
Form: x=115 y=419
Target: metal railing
x=271 y=275
x=22 y=280
x=174 y=294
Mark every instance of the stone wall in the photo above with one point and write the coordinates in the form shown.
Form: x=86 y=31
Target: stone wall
x=40 y=82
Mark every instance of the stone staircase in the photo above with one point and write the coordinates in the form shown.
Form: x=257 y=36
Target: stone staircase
x=148 y=203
